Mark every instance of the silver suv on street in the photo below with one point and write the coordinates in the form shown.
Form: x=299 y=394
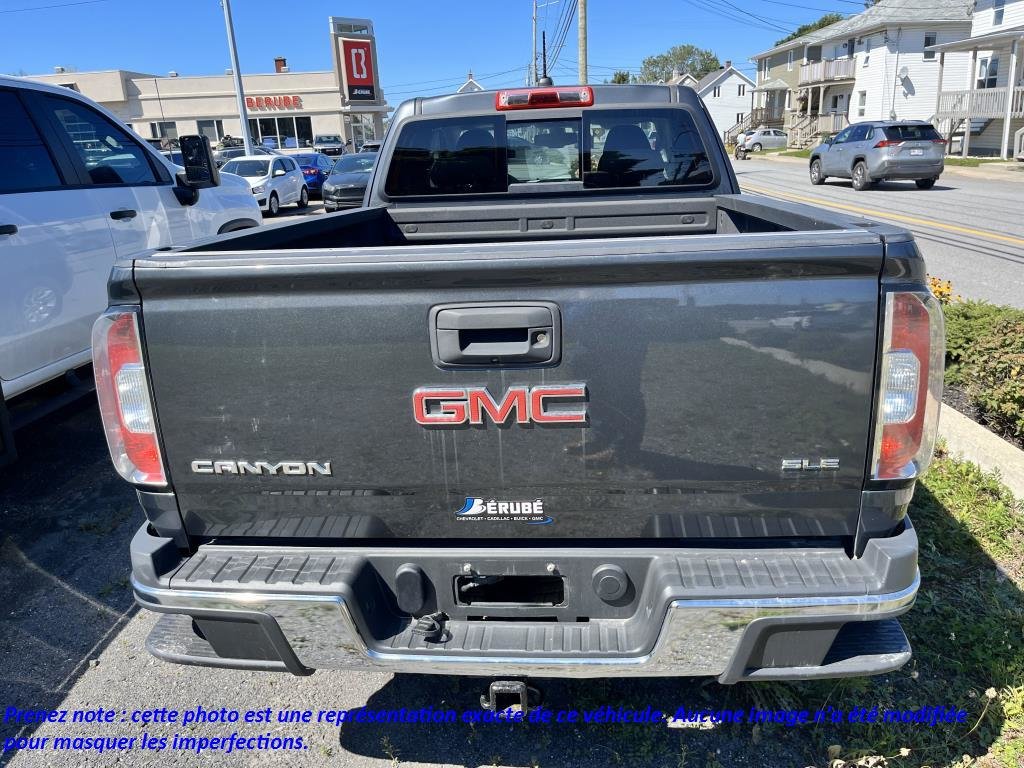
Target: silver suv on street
x=877 y=151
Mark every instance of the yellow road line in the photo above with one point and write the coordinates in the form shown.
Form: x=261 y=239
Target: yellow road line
x=885 y=215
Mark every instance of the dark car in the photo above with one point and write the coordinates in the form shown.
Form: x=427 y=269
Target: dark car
x=346 y=185
x=315 y=169
x=329 y=144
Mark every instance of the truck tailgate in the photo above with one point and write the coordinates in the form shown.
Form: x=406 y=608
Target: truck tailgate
x=727 y=381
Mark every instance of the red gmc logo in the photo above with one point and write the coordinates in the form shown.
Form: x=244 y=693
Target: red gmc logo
x=453 y=406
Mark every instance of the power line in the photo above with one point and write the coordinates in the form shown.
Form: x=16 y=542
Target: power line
x=564 y=32
x=448 y=79
x=741 y=17
x=451 y=83
x=729 y=7
x=48 y=7
x=808 y=7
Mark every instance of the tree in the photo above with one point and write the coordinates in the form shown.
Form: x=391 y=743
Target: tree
x=620 y=77
x=825 y=21
x=682 y=58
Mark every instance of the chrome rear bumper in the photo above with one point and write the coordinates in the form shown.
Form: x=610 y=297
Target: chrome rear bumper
x=783 y=614
x=698 y=637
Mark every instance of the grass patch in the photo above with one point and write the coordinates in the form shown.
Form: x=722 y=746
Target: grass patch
x=804 y=153
x=967 y=632
x=985 y=358
x=972 y=162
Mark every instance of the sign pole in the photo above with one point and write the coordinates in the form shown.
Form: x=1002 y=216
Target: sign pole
x=239 y=93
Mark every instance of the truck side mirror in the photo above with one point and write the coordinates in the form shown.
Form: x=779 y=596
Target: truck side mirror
x=201 y=170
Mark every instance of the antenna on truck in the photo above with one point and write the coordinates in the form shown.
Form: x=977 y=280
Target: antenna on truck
x=544 y=81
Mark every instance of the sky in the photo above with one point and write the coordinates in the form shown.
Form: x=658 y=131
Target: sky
x=423 y=48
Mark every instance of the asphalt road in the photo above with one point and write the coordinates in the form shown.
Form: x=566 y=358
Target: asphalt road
x=969 y=228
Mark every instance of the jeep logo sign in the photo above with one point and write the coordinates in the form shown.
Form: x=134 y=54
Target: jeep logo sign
x=545 y=404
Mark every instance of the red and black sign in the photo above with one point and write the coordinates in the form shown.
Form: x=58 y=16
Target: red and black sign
x=358 y=70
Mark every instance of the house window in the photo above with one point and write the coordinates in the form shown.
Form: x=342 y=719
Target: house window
x=717 y=91
x=740 y=116
x=862 y=102
x=789 y=62
x=741 y=89
x=851 y=45
x=998 y=6
x=163 y=130
x=867 y=50
x=930 y=39
x=988 y=71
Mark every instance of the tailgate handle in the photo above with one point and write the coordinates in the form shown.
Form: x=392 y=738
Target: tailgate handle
x=495 y=334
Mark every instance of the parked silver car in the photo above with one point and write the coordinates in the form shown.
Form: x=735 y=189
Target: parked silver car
x=765 y=138
x=877 y=151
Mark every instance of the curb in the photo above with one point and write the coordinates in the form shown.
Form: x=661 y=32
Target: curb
x=969 y=440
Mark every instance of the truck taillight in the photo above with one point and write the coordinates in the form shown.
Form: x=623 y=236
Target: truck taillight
x=538 y=98
x=123 y=393
x=910 y=391
x=887 y=143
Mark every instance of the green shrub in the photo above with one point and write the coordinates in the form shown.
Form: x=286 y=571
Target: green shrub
x=993 y=369
x=967 y=324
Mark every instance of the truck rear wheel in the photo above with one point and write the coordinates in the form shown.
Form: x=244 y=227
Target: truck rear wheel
x=925 y=183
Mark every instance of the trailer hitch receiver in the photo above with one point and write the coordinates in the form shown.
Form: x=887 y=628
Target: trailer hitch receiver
x=513 y=695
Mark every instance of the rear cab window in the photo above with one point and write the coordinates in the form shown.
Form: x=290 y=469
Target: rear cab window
x=603 y=149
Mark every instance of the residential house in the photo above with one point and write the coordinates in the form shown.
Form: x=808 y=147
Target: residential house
x=778 y=70
x=986 y=103
x=726 y=93
x=876 y=65
x=470 y=86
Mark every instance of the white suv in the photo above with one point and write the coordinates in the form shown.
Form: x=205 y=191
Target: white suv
x=79 y=190
x=275 y=181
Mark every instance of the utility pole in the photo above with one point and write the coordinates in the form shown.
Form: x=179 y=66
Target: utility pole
x=237 y=74
x=533 y=72
x=582 y=16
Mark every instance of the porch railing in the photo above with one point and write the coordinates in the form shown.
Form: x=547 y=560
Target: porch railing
x=827 y=70
x=805 y=129
x=764 y=115
x=984 y=102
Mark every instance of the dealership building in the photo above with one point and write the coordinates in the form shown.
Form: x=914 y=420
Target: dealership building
x=296 y=106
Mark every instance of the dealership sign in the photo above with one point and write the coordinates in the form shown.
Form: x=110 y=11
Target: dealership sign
x=273 y=102
x=358 y=70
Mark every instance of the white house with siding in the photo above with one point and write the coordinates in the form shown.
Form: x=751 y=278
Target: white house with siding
x=726 y=93
x=986 y=103
x=876 y=65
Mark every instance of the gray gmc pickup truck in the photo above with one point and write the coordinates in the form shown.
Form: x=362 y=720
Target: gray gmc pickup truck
x=560 y=401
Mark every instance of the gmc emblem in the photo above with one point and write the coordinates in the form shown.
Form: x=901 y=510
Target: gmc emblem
x=454 y=406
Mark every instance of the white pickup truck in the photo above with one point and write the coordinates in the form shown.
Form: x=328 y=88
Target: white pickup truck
x=79 y=190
